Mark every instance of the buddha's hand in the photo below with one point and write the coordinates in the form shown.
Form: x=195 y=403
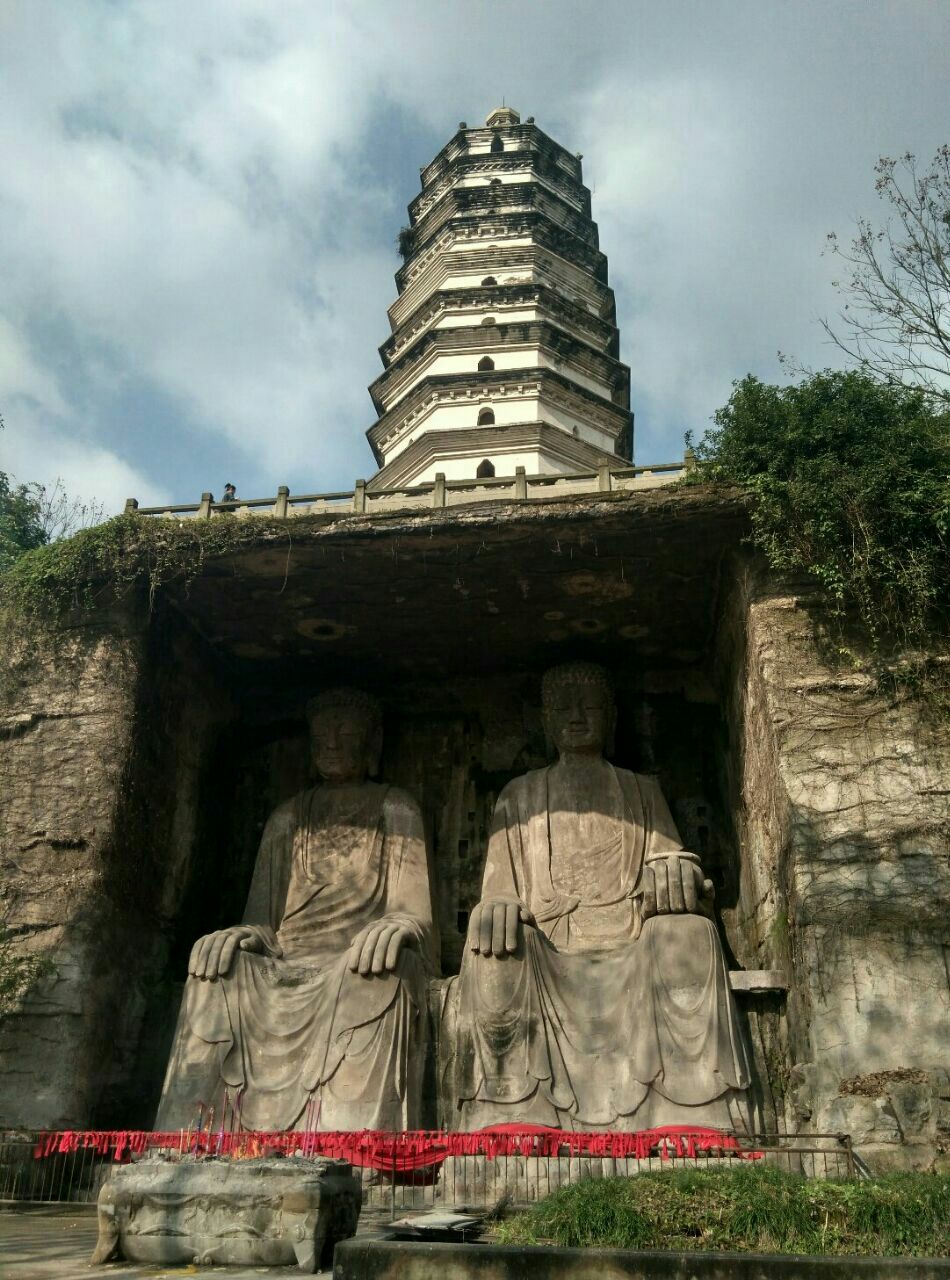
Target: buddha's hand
x=495 y=927
x=674 y=885
x=212 y=956
x=376 y=948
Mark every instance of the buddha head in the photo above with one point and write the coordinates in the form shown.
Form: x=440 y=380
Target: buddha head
x=577 y=703
x=346 y=734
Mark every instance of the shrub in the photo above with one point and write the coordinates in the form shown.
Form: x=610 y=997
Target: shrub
x=755 y=1209
x=849 y=480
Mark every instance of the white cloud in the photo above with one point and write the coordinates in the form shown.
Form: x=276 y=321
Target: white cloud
x=194 y=203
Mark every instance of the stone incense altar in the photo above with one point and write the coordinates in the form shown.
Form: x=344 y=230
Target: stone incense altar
x=218 y=1212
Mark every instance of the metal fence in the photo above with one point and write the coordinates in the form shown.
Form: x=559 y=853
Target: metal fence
x=470 y=1181
x=480 y=1182
x=64 y=1178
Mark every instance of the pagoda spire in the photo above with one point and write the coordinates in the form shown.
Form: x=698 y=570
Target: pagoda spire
x=504 y=346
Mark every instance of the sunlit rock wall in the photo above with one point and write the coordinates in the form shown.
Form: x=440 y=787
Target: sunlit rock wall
x=842 y=805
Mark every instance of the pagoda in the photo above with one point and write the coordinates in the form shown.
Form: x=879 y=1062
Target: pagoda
x=504 y=346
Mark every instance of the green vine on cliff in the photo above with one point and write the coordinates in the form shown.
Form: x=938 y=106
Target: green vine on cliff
x=127 y=557
x=19 y=973
x=124 y=554
x=849 y=481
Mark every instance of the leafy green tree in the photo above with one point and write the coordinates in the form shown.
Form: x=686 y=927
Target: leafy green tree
x=32 y=515
x=21 y=524
x=850 y=483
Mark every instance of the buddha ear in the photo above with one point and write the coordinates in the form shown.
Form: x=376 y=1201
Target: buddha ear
x=374 y=750
x=550 y=749
x=610 y=739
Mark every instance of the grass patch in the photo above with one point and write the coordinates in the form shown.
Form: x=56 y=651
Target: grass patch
x=744 y=1210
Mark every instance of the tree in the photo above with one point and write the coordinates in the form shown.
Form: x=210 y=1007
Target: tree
x=850 y=483
x=21 y=526
x=896 y=321
x=32 y=515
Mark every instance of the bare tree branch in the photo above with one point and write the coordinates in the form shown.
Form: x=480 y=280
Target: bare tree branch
x=895 y=322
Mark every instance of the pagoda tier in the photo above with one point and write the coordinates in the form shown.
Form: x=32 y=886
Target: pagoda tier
x=503 y=350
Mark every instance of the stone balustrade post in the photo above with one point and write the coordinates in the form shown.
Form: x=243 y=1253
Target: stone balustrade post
x=283 y=499
x=359 y=496
x=438 y=490
x=204 y=507
x=521 y=483
x=603 y=479
x=131 y=506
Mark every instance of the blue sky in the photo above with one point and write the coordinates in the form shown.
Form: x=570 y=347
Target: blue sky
x=199 y=201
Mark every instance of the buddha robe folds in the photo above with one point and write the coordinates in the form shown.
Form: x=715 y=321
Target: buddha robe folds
x=297 y=1039
x=599 y=1020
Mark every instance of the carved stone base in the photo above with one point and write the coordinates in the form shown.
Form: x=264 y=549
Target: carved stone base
x=271 y=1212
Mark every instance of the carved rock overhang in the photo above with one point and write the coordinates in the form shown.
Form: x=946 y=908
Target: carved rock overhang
x=477 y=386
x=491 y=588
x=599 y=332
x=554 y=342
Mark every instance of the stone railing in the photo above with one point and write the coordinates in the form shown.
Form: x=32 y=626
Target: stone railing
x=362 y=500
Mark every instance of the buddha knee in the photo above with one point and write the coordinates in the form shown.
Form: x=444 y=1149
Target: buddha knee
x=683 y=946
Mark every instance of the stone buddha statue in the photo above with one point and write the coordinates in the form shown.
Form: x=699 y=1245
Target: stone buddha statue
x=311 y=1013
x=593 y=992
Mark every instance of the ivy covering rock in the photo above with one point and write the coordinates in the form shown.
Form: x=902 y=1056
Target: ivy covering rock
x=849 y=481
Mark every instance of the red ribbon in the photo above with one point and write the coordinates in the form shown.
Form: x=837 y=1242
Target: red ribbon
x=400 y=1152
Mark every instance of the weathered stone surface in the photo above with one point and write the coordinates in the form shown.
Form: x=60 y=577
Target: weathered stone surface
x=842 y=800
x=268 y=1213
x=98 y=816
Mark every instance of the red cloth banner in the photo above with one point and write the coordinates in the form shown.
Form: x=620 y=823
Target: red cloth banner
x=400 y=1152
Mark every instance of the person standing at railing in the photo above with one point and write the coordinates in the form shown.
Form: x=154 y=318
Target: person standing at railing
x=230 y=493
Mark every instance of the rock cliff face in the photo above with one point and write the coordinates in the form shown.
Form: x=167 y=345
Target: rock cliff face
x=101 y=752
x=65 y=748
x=141 y=756
x=842 y=805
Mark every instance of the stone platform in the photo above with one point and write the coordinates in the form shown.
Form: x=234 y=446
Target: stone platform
x=270 y=1213
x=56 y=1242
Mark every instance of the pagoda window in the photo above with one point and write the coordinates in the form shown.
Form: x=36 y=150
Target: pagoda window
x=495 y=182
x=485 y=364
x=488 y=320
x=497 y=144
x=486 y=418
x=485 y=470
x=489 y=280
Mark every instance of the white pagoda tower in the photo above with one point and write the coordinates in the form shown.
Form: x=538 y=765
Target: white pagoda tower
x=504 y=346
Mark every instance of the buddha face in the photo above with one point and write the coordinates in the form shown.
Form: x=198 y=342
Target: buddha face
x=341 y=743
x=579 y=718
